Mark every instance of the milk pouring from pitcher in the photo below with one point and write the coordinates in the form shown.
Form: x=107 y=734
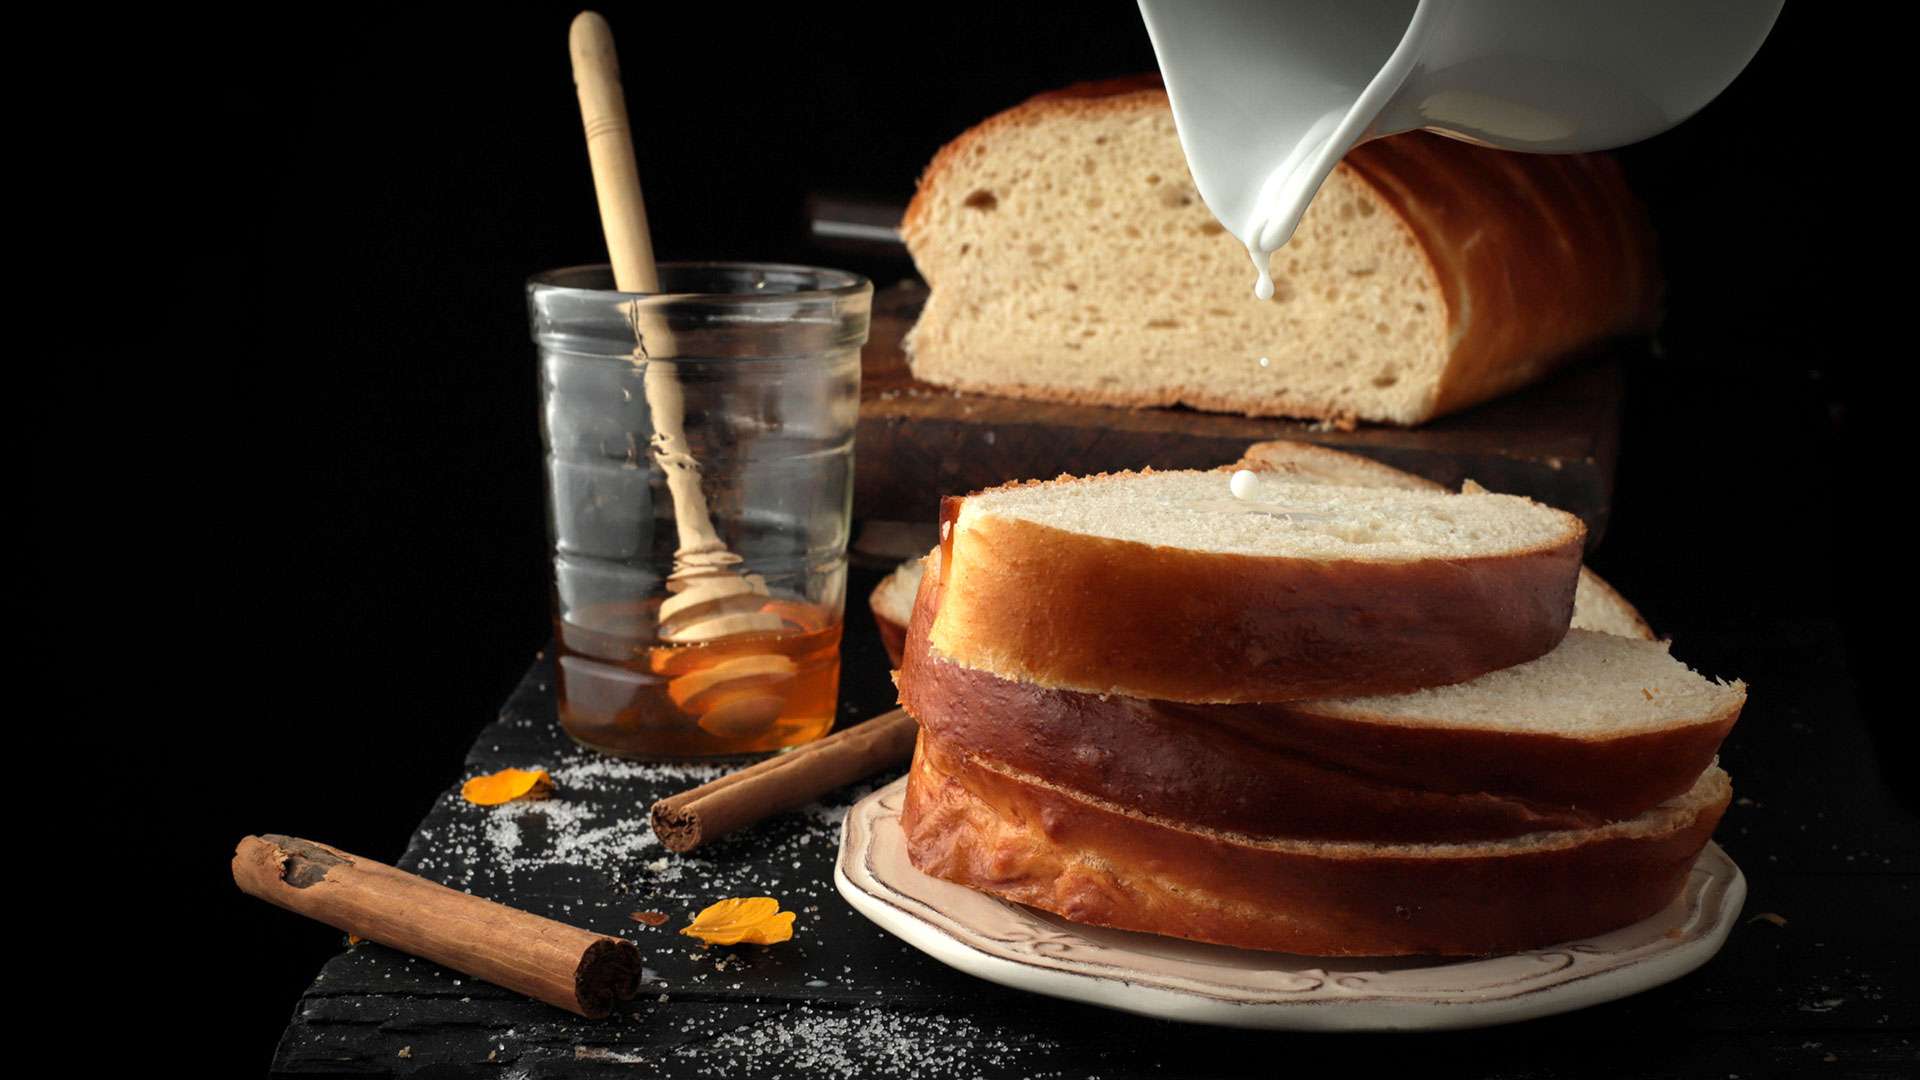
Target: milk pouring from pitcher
x=1269 y=95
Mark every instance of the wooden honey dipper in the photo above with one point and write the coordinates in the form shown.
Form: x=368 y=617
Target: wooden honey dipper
x=741 y=696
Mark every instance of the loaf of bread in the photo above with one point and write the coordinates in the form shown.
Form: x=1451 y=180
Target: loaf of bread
x=1601 y=729
x=1167 y=585
x=1070 y=258
x=993 y=828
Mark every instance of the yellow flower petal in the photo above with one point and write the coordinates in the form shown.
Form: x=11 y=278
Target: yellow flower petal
x=506 y=786
x=757 y=920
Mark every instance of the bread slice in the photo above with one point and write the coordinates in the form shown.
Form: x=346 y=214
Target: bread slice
x=1166 y=585
x=892 y=604
x=1601 y=729
x=1070 y=258
x=1596 y=604
x=992 y=828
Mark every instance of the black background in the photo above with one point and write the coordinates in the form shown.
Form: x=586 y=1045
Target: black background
x=321 y=524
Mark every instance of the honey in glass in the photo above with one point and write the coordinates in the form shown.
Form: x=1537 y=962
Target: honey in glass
x=621 y=691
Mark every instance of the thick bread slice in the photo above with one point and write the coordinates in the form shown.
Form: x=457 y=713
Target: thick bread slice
x=1071 y=259
x=1596 y=604
x=1166 y=585
x=992 y=828
x=1310 y=464
x=1600 y=729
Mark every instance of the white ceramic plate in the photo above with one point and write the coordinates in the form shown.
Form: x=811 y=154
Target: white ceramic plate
x=1182 y=980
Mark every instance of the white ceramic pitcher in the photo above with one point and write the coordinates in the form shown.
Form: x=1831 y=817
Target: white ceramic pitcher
x=1268 y=95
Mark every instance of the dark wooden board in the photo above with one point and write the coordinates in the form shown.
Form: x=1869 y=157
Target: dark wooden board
x=1830 y=992
x=1556 y=441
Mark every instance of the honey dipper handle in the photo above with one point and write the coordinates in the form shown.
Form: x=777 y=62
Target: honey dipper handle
x=623 y=214
x=616 y=177
x=703 y=576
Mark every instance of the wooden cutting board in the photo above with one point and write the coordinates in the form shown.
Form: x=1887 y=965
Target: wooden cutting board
x=1556 y=441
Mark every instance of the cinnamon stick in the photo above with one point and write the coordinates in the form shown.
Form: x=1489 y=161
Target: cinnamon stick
x=687 y=820
x=564 y=966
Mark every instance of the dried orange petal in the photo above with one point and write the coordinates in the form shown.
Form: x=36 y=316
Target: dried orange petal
x=506 y=786
x=757 y=920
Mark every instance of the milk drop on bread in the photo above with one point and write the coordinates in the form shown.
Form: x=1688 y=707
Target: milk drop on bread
x=1070 y=258
x=1556 y=797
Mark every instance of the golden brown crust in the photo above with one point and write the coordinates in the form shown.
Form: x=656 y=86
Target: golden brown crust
x=1537 y=258
x=1284 y=769
x=982 y=826
x=1538 y=254
x=1040 y=604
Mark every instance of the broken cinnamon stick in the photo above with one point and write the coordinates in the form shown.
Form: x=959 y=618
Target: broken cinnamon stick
x=687 y=820
x=564 y=966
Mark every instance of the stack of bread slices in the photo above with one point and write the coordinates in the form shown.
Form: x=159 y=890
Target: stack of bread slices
x=1331 y=714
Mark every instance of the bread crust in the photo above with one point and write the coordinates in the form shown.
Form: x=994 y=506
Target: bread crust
x=1196 y=626
x=1535 y=260
x=989 y=828
x=1289 y=769
x=1538 y=254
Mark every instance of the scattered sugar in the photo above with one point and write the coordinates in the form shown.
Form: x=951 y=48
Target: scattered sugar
x=594 y=833
x=864 y=1043
x=568 y=830
x=607 y=847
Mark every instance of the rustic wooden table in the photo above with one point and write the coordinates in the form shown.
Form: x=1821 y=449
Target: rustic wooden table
x=1557 y=441
x=1817 y=979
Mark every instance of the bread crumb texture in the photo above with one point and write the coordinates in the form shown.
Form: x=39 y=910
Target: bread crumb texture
x=1078 y=261
x=1198 y=511
x=1594 y=686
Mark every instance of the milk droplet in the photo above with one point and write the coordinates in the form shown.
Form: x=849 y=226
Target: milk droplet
x=1263 y=361
x=1245 y=484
